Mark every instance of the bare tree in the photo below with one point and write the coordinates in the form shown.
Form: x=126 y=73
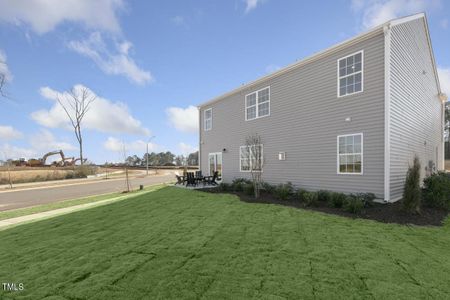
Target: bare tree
x=256 y=160
x=125 y=165
x=76 y=103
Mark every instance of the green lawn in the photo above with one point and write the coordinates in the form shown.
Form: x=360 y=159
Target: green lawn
x=174 y=243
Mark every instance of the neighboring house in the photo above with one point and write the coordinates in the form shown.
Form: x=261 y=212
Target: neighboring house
x=349 y=118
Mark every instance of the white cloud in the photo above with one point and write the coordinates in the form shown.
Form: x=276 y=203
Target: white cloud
x=45 y=141
x=444 y=79
x=251 y=4
x=186 y=149
x=4 y=70
x=9 y=133
x=117 y=62
x=8 y=151
x=376 y=12
x=183 y=119
x=178 y=20
x=444 y=23
x=104 y=115
x=44 y=16
x=138 y=146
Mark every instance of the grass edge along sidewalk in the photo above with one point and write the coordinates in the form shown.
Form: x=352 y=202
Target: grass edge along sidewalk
x=15 y=217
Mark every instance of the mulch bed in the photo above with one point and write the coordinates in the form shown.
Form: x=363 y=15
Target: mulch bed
x=386 y=213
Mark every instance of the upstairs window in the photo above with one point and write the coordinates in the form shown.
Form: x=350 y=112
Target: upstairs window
x=208 y=119
x=350 y=154
x=350 y=74
x=257 y=104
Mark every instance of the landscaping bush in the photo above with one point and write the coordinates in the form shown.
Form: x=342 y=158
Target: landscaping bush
x=436 y=190
x=354 y=204
x=238 y=184
x=268 y=188
x=411 y=192
x=224 y=187
x=310 y=198
x=249 y=189
x=337 y=199
x=284 y=190
x=367 y=198
x=300 y=194
x=323 y=196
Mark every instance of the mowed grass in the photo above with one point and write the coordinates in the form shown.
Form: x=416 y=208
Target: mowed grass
x=179 y=244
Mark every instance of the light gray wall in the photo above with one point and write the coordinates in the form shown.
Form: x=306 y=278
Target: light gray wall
x=306 y=116
x=415 y=109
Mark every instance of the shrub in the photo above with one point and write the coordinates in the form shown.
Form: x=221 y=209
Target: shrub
x=354 y=204
x=337 y=199
x=224 y=187
x=268 y=188
x=69 y=175
x=367 y=198
x=436 y=190
x=249 y=189
x=84 y=171
x=238 y=184
x=310 y=198
x=301 y=194
x=411 y=192
x=323 y=196
x=284 y=190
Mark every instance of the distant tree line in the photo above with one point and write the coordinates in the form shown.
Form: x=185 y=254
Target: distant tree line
x=163 y=159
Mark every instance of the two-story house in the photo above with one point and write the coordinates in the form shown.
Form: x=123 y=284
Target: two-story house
x=348 y=119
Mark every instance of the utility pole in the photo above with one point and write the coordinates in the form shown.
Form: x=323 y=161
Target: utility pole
x=147 y=150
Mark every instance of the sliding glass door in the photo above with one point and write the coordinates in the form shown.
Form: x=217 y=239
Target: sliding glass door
x=215 y=163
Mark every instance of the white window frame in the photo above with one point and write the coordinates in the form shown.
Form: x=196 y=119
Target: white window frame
x=256 y=104
x=215 y=160
x=362 y=74
x=362 y=154
x=250 y=164
x=209 y=119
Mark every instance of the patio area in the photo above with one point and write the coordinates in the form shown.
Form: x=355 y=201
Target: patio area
x=196 y=180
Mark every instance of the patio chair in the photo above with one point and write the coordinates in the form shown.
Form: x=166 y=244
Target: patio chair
x=180 y=180
x=211 y=180
x=199 y=176
x=190 y=179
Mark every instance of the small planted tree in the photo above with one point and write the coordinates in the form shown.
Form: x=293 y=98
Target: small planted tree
x=411 y=192
x=255 y=159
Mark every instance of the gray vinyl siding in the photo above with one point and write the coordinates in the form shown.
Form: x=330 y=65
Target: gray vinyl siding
x=306 y=116
x=415 y=110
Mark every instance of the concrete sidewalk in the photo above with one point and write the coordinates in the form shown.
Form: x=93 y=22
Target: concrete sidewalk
x=8 y=223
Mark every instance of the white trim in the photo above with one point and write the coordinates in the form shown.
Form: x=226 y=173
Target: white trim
x=256 y=104
x=215 y=163
x=362 y=154
x=362 y=74
x=387 y=113
x=199 y=140
x=407 y=19
x=262 y=162
x=204 y=119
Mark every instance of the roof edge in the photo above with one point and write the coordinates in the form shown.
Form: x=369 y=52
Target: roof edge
x=360 y=37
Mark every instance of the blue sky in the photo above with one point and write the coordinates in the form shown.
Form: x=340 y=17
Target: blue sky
x=150 y=62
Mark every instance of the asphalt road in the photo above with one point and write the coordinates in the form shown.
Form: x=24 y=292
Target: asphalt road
x=42 y=195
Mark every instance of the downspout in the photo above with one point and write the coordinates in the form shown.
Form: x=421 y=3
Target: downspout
x=387 y=103
x=443 y=97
